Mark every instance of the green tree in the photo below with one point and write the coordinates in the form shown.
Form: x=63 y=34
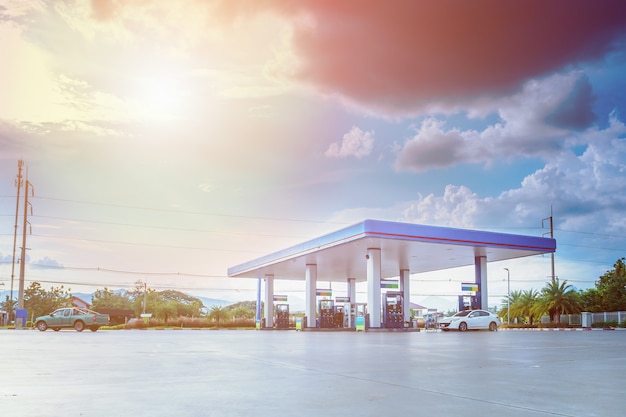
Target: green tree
x=9 y=306
x=164 y=304
x=526 y=305
x=165 y=309
x=511 y=300
x=184 y=305
x=150 y=297
x=243 y=309
x=611 y=288
x=558 y=298
x=108 y=299
x=38 y=301
x=218 y=314
x=590 y=300
x=242 y=312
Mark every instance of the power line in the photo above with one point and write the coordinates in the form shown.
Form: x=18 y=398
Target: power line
x=165 y=227
x=133 y=285
x=128 y=272
x=592 y=247
x=592 y=233
x=189 y=212
x=146 y=244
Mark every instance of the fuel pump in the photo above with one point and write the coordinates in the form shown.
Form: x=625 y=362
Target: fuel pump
x=393 y=310
x=327 y=313
x=468 y=302
x=282 y=316
x=339 y=314
x=360 y=312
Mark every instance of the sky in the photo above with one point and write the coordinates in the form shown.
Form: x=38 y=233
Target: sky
x=168 y=141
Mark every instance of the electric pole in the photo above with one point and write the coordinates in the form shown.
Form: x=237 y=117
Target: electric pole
x=20 y=297
x=18 y=184
x=551 y=236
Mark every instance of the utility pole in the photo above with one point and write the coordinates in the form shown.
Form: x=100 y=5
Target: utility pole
x=18 y=184
x=20 y=297
x=551 y=236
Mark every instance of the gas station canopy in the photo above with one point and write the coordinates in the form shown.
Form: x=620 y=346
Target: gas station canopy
x=403 y=246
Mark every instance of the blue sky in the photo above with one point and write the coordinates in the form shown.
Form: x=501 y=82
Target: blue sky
x=168 y=141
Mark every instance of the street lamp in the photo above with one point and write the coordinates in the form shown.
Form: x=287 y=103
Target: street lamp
x=508 y=296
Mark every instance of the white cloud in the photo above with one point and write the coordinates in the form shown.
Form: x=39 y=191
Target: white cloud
x=587 y=192
x=206 y=188
x=356 y=143
x=435 y=147
x=457 y=208
x=540 y=121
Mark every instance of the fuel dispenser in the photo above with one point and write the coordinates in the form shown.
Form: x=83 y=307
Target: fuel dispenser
x=326 y=310
x=282 y=316
x=360 y=316
x=468 y=302
x=339 y=315
x=393 y=310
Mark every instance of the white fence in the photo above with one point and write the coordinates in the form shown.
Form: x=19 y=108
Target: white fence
x=618 y=317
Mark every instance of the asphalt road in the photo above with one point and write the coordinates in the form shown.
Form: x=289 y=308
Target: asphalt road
x=287 y=373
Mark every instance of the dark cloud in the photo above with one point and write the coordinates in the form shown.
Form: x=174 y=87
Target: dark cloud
x=404 y=55
x=432 y=147
x=575 y=111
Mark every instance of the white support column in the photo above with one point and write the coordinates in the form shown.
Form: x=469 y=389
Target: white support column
x=405 y=287
x=480 y=270
x=352 y=296
x=352 y=290
x=373 y=286
x=310 y=294
x=269 y=301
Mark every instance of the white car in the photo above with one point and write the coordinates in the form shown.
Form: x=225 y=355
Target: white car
x=470 y=320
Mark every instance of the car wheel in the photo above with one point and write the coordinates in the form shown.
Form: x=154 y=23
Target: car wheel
x=42 y=326
x=79 y=326
x=462 y=326
x=493 y=327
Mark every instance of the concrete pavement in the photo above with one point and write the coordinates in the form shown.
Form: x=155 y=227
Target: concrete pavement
x=262 y=373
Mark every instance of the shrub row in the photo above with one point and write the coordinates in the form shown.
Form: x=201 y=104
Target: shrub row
x=191 y=323
x=608 y=324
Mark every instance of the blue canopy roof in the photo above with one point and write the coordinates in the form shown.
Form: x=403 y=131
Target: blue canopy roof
x=419 y=248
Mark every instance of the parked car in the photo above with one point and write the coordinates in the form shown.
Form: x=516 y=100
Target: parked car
x=78 y=318
x=470 y=320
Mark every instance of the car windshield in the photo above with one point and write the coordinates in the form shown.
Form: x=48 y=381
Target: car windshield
x=462 y=313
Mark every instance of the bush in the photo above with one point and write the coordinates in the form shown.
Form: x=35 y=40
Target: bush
x=600 y=324
x=239 y=323
x=114 y=327
x=187 y=322
x=190 y=323
x=553 y=325
x=519 y=326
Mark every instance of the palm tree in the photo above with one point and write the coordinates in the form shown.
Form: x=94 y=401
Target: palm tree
x=558 y=298
x=243 y=312
x=218 y=314
x=511 y=300
x=525 y=305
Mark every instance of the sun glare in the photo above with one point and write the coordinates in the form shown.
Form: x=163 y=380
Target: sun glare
x=160 y=98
